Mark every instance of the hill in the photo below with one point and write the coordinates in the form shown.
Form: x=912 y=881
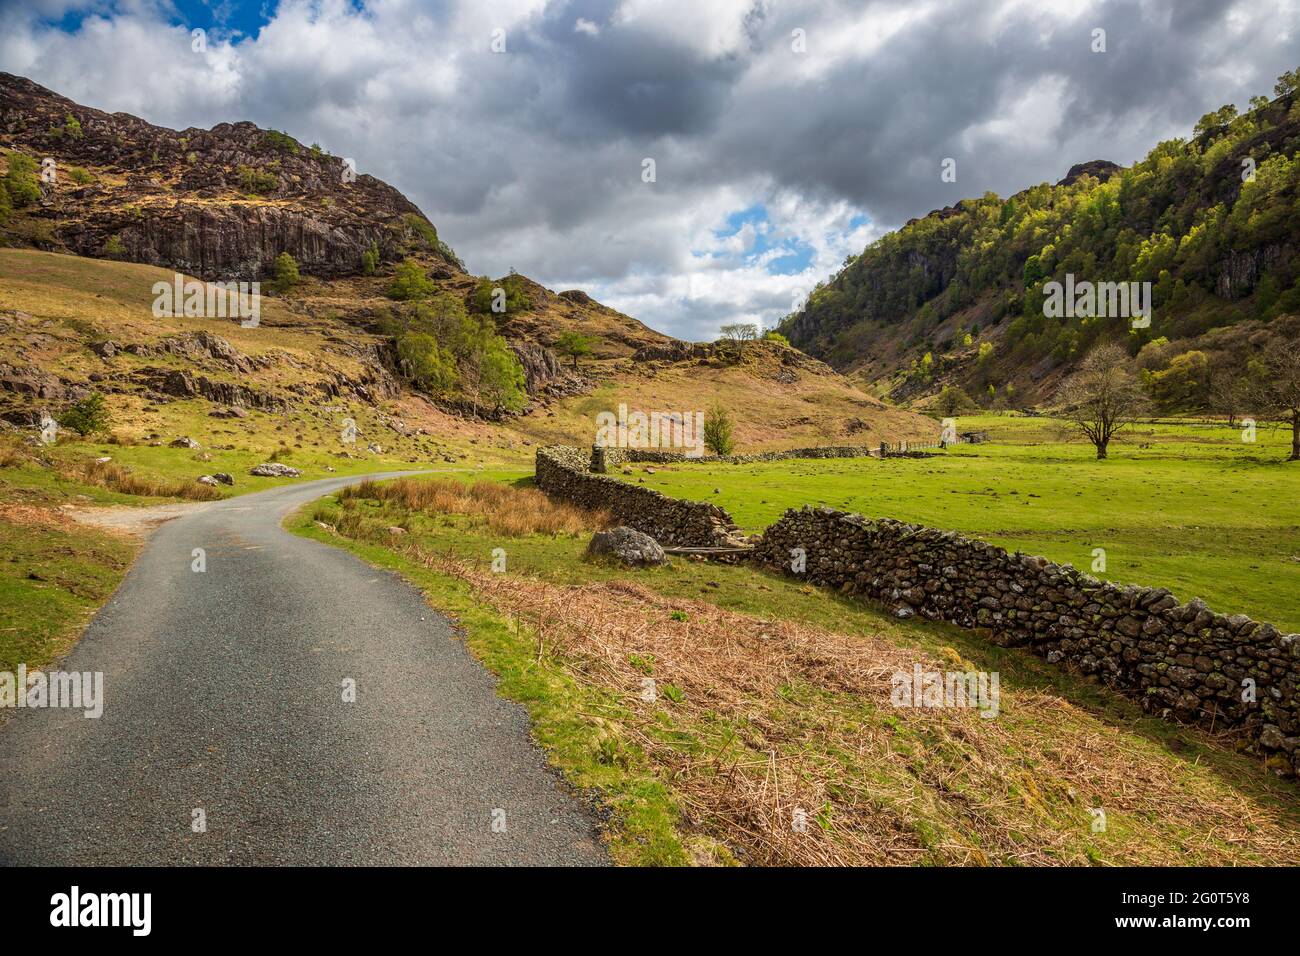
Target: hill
x=957 y=297
x=364 y=312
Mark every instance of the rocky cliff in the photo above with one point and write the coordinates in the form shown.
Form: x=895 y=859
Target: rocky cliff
x=220 y=203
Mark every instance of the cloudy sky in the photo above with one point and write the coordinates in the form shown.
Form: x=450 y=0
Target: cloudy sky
x=785 y=134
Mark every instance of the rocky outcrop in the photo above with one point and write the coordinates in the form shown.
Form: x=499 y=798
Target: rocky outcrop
x=1099 y=169
x=544 y=375
x=220 y=203
x=1180 y=660
x=172 y=383
x=1238 y=273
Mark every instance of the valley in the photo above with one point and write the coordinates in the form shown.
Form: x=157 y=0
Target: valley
x=341 y=480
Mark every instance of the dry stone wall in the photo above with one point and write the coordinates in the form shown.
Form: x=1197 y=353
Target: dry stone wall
x=562 y=472
x=1179 y=659
x=603 y=459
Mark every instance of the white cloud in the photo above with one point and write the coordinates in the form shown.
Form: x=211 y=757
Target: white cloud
x=532 y=159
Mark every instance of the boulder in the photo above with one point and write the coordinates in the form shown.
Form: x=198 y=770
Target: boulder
x=627 y=545
x=274 y=469
x=223 y=478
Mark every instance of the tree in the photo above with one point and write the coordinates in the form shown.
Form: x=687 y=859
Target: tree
x=772 y=335
x=740 y=333
x=426 y=363
x=86 y=417
x=501 y=377
x=1185 y=383
x=1102 y=397
x=409 y=282
x=951 y=401
x=717 y=431
x=1277 y=390
x=575 y=345
x=286 y=273
x=1227 y=394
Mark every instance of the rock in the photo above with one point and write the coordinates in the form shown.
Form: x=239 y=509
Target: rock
x=274 y=469
x=223 y=478
x=375 y=449
x=396 y=530
x=228 y=413
x=207 y=480
x=627 y=545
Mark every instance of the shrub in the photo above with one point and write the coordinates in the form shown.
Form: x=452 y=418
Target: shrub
x=513 y=296
x=281 y=142
x=113 y=247
x=80 y=175
x=21 y=180
x=71 y=128
x=286 y=273
x=717 y=431
x=410 y=282
x=370 y=260
x=256 y=181
x=86 y=417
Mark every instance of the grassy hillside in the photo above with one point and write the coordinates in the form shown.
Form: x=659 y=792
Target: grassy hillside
x=957 y=296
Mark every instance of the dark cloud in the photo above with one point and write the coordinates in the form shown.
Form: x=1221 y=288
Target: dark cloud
x=532 y=159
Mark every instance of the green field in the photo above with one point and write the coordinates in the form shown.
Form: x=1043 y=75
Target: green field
x=1189 y=507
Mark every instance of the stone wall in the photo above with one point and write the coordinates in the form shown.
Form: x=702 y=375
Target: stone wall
x=604 y=459
x=1178 y=659
x=562 y=472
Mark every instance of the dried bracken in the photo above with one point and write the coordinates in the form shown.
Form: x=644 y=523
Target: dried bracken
x=758 y=725
x=507 y=510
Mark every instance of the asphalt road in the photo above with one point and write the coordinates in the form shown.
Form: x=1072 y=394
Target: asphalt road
x=223 y=692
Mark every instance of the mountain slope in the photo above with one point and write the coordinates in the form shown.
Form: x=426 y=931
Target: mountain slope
x=1213 y=223
x=383 y=323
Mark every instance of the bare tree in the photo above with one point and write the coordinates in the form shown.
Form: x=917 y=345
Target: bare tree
x=740 y=333
x=1102 y=396
x=1277 y=390
x=1227 y=394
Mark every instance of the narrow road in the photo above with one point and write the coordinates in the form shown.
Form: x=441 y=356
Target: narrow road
x=223 y=692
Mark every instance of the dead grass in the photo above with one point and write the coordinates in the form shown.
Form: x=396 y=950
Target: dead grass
x=31 y=516
x=12 y=453
x=507 y=510
x=755 y=721
x=115 y=477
